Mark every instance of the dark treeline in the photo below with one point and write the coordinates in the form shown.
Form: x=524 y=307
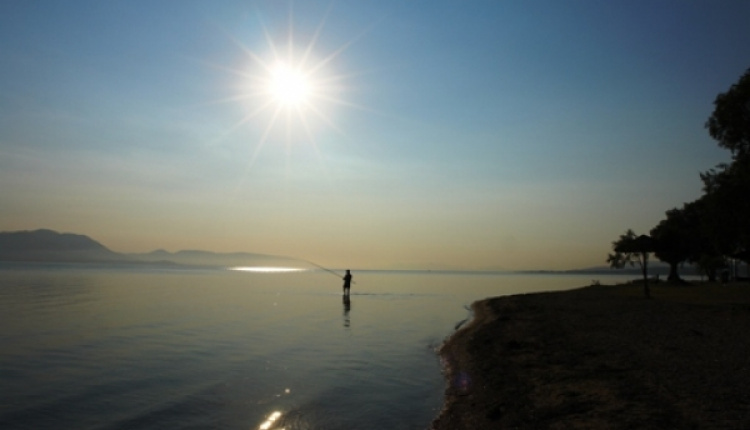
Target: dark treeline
x=715 y=229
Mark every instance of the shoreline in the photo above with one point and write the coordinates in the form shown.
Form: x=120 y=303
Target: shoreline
x=602 y=357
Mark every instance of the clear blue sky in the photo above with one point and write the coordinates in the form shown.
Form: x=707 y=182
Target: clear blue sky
x=456 y=134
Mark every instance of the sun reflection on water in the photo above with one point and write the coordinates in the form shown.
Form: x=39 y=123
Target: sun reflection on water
x=270 y=421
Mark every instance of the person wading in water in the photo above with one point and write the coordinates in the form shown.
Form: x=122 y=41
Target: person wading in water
x=347 y=282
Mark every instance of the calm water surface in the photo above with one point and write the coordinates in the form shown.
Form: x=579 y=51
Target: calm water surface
x=136 y=348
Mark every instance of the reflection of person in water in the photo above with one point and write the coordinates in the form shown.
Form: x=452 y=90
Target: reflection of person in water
x=347 y=308
x=347 y=282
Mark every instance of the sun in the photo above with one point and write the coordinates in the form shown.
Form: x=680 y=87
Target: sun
x=289 y=87
x=290 y=94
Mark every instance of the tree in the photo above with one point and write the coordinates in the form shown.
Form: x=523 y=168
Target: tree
x=730 y=122
x=717 y=225
x=727 y=187
x=712 y=234
x=674 y=238
x=630 y=249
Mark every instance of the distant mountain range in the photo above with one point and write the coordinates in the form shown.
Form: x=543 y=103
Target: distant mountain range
x=53 y=247
x=50 y=246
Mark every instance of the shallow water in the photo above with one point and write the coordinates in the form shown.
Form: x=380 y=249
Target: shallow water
x=137 y=348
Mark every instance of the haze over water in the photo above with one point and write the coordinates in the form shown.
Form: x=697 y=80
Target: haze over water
x=135 y=348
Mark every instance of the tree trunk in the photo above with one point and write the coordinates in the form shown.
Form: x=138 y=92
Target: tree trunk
x=673 y=275
x=711 y=274
x=644 y=266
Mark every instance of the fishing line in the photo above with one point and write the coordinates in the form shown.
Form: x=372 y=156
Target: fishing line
x=327 y=270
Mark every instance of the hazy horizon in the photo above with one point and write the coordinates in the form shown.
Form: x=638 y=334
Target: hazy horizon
x=258 y=261
x=518 y=136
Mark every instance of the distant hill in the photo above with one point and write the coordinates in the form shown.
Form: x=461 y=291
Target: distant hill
x=50 y=246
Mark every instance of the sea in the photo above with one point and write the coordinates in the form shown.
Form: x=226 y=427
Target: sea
x=141 y=347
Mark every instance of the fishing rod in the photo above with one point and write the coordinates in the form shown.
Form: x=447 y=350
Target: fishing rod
x=327 y=270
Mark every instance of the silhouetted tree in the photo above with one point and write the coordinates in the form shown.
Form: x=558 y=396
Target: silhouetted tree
x=730 y=122
x=727 y=189
x=711 y=237
x=727 y=186
x=717 y=225
x=673 y=239
x=630 y=249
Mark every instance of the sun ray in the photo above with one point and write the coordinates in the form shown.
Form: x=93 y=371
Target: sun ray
x=316 y=35
x=245 y=119
x=257 y=150
x=290 y=36
x=252 y=55
x=318 y=154
x=327 y=120
x=341 y=49
x=291 y=93
x=265 y=135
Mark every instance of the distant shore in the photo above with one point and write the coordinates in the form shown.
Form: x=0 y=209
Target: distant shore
x=602 y=357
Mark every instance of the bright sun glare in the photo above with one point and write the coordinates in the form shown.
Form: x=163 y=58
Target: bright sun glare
x=288 y=86
x=290 y=92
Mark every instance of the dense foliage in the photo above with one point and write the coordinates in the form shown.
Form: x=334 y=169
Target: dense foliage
x=730 y=122
x=715 y=228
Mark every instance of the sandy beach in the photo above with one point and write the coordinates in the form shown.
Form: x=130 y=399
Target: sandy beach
x=602 y=357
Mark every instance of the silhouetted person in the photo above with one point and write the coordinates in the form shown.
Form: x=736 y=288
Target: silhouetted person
x=347 y=282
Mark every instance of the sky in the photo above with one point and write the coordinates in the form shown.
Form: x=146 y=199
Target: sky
x=436 y=134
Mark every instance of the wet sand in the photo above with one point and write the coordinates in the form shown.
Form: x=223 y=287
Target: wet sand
x=602 y=357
